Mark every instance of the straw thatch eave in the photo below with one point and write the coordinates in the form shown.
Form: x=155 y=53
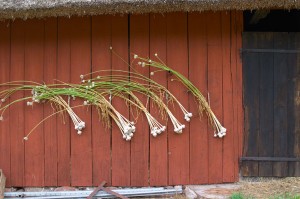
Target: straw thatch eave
x=10 y=9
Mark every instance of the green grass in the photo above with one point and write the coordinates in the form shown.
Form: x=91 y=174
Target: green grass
x=239 y=195
x=286 y=196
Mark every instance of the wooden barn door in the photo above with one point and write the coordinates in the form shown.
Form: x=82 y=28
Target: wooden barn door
x=271 y=69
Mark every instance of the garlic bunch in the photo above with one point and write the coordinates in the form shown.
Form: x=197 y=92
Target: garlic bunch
x=127 y=128
x=178 y=127
x=221 y=131
x=78 y=123
x=155 y=127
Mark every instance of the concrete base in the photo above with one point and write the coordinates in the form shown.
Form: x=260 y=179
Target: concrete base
x=2 y=184
x=216 y=191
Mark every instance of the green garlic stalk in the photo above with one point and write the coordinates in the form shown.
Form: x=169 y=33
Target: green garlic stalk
x=219 y=130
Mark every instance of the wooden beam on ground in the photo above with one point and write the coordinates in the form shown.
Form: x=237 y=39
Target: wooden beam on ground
x=100 y=187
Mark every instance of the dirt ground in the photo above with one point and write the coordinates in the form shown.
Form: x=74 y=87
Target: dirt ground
x=270 y=187
x=251 y=188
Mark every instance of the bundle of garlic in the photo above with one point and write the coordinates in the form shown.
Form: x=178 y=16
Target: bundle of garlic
x=219 y=130
x=100 y=91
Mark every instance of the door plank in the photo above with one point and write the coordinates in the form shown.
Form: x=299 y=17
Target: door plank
x=237 y=86
x=251 y=77
x=81 y=145
x=239 y=83
x=228 y=122
x=293 y=104
x=63 y=124
x=158 y=145
x=199 y=130
x=5 y=163
x=177 y=58
x=266 y=101
x=297 y=108
x=101 y=60
x=215 y=90
x=16 y=112
x=34 y=147
x=233 y=66
x=139 y=44
x=280 y=104
x=50 y=126
x=120 y=147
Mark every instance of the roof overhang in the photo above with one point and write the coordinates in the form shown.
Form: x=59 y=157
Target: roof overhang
x=11 y=9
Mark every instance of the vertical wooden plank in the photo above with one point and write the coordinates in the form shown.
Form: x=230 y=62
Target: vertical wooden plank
x=251 y=101
x=229 y=158
x=101 y=136
x=81 y=145
x=293 y=104
x=291 y=67
x=63 y=123
x=16 y=112
x=50 y=131
x=237 y=74
x=296 y=147
x=139 y=44
x=239 y=81
x=280 y=104
x=215 y=92
x=199 y=130
x=120 y=148
x=4 y=77
x=34 y=147
x=177 y=58
x=266 y=102
x=233 y=66
x=158 y=145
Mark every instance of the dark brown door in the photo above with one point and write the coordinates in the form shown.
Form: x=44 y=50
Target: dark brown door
x=271 y=80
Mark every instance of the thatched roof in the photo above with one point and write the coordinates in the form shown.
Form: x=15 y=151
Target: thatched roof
x=44 y=8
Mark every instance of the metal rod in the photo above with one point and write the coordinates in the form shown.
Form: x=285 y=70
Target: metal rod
x=96 y=190
x=270 y=159
x=107 y=190
x=81 y=197
x=102 y=194
x=55 y=193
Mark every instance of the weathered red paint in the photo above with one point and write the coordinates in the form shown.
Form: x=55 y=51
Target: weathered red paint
x=139 y=42
x=199 y=130
x=204 y=50
x=159 y=145
x=101 y=136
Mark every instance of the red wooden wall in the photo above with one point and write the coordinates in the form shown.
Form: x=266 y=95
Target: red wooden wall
x=203 y=46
